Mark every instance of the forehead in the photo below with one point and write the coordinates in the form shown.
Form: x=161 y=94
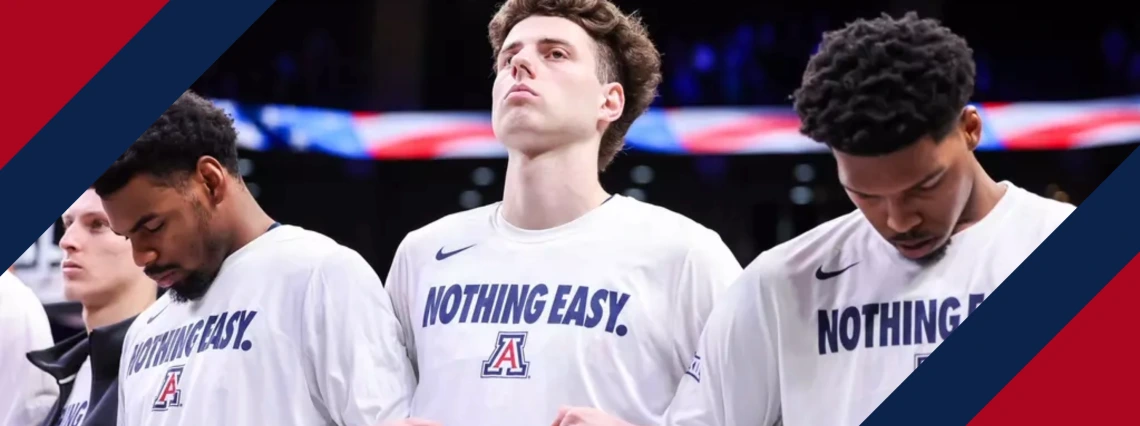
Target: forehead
x=536 y=28
x=141 y=195
x=894 y=172
x=87 y=203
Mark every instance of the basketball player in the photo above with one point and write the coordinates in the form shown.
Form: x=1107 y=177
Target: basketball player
x=261 y=323
x=841 y=315
x=561 y=293
x=98 y=271
x=26 y=394
x=821 y=329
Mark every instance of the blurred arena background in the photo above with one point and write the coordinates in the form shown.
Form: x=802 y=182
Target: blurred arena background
x=365 y=120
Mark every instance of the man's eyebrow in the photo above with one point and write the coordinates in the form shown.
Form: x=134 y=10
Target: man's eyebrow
x=81 y=215
x=932 y=176
x=543 y=41
x=142 y=221
x=509 y=47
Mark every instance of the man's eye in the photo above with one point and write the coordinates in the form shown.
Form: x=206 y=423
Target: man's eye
x=930 y=185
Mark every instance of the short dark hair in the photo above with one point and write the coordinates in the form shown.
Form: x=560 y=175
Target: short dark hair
x=877 y=86
x=625 y=54
x=170 y=149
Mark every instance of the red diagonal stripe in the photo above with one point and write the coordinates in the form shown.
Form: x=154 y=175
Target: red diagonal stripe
x=51 y=50
x=1087 y=374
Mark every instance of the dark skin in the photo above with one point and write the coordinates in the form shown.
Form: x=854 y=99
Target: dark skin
x=919 y=197
x=182 y=230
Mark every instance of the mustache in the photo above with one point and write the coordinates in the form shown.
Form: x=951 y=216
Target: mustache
x=154 y=270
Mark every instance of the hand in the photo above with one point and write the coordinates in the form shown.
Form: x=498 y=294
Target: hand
x=584 y=416
x=411 y=422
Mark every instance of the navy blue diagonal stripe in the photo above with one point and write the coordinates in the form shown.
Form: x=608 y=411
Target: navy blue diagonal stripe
x=112 y=110
x=1030 y=307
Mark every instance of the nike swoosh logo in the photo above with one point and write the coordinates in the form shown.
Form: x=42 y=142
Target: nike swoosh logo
x=821 y=275
x=440 y=255
x=160 y=311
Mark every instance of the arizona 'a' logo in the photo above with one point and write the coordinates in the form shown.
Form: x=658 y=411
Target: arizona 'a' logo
x=508 y=359
x=170 y=395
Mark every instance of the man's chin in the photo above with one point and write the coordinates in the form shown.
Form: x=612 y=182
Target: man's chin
x=933 y=256
x=188 y=291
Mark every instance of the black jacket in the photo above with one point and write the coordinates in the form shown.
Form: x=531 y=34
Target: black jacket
x=104 y=345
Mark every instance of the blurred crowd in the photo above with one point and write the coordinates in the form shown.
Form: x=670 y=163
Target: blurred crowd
x=327 y=59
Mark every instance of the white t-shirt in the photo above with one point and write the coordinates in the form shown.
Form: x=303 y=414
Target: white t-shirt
x=506 y=325
x=796 y=341
x=26 y=392
x=296 y=330
x=75 y=410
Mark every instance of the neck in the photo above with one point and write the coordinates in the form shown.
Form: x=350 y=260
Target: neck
x=251 y=220
x=983 y=197
x=553 y=188
x=136 y=298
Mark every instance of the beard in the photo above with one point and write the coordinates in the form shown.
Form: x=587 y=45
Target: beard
x=928 y=259
x=212 y=248
x=191 y=288
x=934 y=256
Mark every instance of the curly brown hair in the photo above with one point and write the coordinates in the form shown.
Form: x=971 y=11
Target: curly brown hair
x=625 y=54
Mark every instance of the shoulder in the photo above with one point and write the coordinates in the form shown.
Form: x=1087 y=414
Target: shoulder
x=18 y=300
x=463 y=224
x=849 y=233
x=297 y=249
x=838 y=240
x=322 y=257
x=23 y=320
x=298 y=245
x=1031 y=217
x=451 y=232
x=1047 y=212
x=665 y=231
x=294 y=257
x=12 y=289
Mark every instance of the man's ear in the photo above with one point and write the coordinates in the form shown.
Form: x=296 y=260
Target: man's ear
x=213 y=176
x=971 y=124
x=613 y=102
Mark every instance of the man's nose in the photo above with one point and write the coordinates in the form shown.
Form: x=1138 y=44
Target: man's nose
x=143 y=256
x=522 y=66
x=901 y=218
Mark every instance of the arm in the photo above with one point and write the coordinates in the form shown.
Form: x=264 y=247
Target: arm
x=397 y=283
x=352 y=341
x=26 y=393
x=733 y=380
x=124 y=370
x=709 y=269
x=121 y=414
